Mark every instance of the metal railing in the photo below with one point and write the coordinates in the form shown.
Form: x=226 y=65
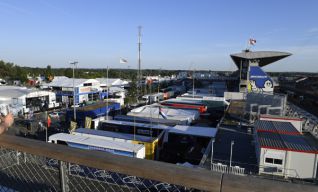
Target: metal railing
x=262 y=171
x=235 y=170
x=31 y=165
x=310 y=121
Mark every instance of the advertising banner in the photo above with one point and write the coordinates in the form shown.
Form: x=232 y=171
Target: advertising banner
x=259 y=81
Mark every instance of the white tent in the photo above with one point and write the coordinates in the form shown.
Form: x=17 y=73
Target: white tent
x=111 y=82
x=16 y=97
x=152 y=111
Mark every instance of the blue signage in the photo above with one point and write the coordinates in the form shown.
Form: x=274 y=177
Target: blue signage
x=259 y=81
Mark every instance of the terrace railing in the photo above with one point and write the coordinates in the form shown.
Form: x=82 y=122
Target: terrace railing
x=31 y=165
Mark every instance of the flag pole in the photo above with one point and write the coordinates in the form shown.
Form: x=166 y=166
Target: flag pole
x=47 y=119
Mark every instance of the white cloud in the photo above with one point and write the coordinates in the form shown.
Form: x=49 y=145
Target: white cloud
x=313 y=30
x=304 y=58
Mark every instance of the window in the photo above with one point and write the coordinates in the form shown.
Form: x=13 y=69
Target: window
x=278 y=161
x=87 y=84
x=274 y=161
x=269 y=160
x=61 y=142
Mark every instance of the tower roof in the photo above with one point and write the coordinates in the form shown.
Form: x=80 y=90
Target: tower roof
x=264 y=57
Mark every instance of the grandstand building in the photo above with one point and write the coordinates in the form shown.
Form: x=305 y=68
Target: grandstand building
x=251 y=77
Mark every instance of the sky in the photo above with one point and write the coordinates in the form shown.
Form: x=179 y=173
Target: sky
x=176 y=34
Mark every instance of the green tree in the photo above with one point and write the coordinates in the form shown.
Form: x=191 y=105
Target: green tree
x=20 y=74
x=131 y=96
x=68 y=72
x=48 y=72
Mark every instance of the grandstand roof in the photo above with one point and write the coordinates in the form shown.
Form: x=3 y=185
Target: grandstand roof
x=264 y=57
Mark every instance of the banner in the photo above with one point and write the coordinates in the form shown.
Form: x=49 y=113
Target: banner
x=73 y=126
x=88 y=122
x=259 y=81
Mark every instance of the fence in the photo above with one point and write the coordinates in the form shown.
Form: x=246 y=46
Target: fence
x=310 y=121
x=236 y=170
x=261 y=171
x=31 y=165
x=257 y=104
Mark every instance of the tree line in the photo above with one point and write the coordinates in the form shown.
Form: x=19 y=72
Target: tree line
x=10 y=71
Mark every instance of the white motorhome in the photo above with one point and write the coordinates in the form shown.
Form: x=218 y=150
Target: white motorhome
x=153 y=98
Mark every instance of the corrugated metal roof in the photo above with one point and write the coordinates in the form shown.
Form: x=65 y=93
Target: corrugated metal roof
x=96 y=142
x=194 y=130
x=284 y=142
x=280 y=117
x=297 y=143
x=147 y=120
x=103 y=133
x=144 y=125
x=276 y=127
x=272 y=140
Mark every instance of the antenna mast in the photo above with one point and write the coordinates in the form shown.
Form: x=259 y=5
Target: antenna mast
x=139 y=75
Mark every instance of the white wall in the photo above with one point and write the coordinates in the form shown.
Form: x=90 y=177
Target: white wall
x=295 y=164
x=234 y=96
x=271 y=153
x=303 y=163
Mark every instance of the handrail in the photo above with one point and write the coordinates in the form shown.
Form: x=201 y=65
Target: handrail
x=154 y=170
x=164 y=172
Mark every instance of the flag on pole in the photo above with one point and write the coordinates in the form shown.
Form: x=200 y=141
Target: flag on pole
x=123 y=61
x=252 y=41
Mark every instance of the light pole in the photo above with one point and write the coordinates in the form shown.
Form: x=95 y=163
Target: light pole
x=47 y=124
x=212 y=151
x=107 y=94
x=193 y=83
x=232 y=143
x=74 y=102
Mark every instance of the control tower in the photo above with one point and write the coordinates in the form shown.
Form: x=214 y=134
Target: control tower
x=252 y=77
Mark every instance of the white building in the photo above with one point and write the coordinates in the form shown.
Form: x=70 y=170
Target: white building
x=117 y=94
x=282 y=151
x=23 y=100
x=182 y=75
x=85 y=89
x=111 y=82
